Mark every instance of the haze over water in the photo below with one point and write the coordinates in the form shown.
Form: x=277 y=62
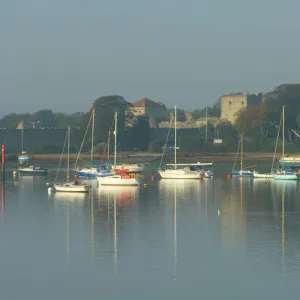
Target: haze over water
x=165 y=241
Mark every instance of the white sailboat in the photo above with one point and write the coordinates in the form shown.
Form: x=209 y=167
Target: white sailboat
x=185 y=171
x=23 y=157
x=70 y=186
x=288 y=174
x=242 y=172
x=122 y=178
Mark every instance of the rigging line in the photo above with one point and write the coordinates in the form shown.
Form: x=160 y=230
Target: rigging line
x=165 y=146
x=276 y=144
x=61 y=156
x=86 y=131
x=233 y=167
x=111 y=127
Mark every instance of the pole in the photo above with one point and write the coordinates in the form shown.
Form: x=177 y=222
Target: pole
x=242 y=151
x=175 y=154
x=93 y=129
x=68 y=163
x=206 y=126
x=108 y=145
x=3 y=163
x=283 y=136
x=22 y=140
x=115 y=154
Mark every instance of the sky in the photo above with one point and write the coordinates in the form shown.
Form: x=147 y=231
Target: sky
x=64 y=54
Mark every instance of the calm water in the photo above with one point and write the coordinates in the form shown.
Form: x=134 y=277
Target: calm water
x=165 y=241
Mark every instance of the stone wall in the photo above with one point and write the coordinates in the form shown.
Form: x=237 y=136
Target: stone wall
x=190 y=123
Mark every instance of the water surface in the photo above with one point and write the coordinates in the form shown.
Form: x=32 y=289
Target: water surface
x=163 y=241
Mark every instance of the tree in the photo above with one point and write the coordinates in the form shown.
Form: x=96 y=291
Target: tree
x=139 y=134
x=105 y=108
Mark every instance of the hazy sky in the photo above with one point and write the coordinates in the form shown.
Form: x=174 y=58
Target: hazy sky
x=64 y=54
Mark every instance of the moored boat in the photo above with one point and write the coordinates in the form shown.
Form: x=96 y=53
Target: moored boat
x=262 y=175
x=287 y=175
x=242 y=172
x=69 y=186
x=122 y=177
x=33 y=171
x=74 y=186
x=188 y=170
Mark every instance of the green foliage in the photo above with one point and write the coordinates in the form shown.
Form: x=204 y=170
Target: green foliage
x=214 y=111
x=42 y=119
x=105 y=108
x=139 y=134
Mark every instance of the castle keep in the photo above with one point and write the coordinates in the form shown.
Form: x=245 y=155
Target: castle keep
x=232 y=104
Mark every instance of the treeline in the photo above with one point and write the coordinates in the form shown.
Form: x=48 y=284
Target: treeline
x=42 y=119
x=259 y=124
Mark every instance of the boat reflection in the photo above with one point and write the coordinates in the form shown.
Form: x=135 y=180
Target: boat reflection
x=185 y=189
x=31 y=183
x=3 y=202
x=70 y=197
x=124 y=195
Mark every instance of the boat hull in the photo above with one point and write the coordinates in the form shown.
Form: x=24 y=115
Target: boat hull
x=23 y=159
x=70 y=188
x=241 y=174
x=85 y=174
x=118 y=181
x=32 y=173
x=178 y=175
x=286 y=177
x=131 y=168
x=263 y=175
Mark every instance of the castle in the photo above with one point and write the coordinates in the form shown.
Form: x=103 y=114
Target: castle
x=232 y=104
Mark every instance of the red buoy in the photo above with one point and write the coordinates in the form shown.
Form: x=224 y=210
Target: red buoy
x=200 y=177
x=228 y=176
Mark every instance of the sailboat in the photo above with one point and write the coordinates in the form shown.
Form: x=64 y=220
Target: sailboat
x=288 y=174
x=241 y=172
x=119 y=177
x=23 y=158
x=185 y=171
x=270 y=175
x=91 y=172
x=70 y=186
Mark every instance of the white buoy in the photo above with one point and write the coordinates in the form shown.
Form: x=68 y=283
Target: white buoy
x=219 y=212
x=50 y=189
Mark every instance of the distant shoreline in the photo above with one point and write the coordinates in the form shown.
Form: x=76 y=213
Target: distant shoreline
x=147 y=157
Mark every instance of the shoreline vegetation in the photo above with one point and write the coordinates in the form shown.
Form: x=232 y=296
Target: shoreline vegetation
x=146 y=157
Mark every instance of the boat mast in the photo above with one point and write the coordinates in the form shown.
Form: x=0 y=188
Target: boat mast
x=283 y=136
x=108 y=144
x=22 y=136
x=93 y=130
x=115 y=133
x=175 y=150
x=68 y=161
x=206 y=125
x=242 y=151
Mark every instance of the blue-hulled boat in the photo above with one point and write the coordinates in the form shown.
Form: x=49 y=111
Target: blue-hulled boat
x=24 y=158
